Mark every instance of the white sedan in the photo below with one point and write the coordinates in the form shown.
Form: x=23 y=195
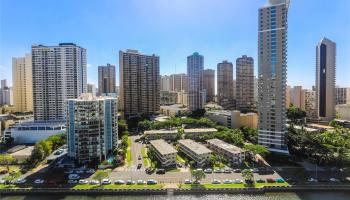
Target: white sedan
x=39 y=181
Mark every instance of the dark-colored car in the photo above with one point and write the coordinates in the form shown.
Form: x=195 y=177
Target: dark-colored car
x=139 y=166
x=160 y=171
x=260 y=181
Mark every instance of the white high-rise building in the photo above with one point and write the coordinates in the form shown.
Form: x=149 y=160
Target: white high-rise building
x=165 y=83
x=91 y=88
x=195 y=66
x=342 y=95
x=92 y=127
x=272 y=62
x=59 y=73
x=325 y=79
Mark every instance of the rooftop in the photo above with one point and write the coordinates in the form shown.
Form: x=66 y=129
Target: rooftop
x=90 y=97
x=163 y=147
x=162 y=131
x=229 y=147
x=200 y=130
x=195 y=147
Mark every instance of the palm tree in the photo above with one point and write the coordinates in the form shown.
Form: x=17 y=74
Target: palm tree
x=248 y=175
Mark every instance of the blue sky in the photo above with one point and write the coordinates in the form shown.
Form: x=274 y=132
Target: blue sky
x=218 y=29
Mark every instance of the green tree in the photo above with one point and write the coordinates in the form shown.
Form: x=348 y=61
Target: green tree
x=256 y=149
x=6 y=159
x=13 y=176
x=197 y=174
x=100 y=174
x=250 y=134
x=212 y=160
x=294 y=113
x=38 y=154
x=47 y=147
x=248 y=175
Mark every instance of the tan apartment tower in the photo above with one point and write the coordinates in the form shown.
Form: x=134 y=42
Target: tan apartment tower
x=22 y=83
x=245 y=83
x=272 y=70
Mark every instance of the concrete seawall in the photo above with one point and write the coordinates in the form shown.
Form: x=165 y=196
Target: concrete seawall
x=65 y=191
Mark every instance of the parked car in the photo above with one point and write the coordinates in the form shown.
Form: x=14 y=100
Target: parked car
x=196 y=182
x=119 y=182
x=90 y=171
x=208 y=171
x=227 y=181
x=334 y=180
x=105 y=181
x=3 y=171
x=39 y=181
x=73 y=176
x=141 y=182
x=160 y=171
x=188 y=181
x=248 y=181
x=149 y=170
x=94 y=182
x=70 y=171
x=237 y=171
x=79 y=171
x=280 y=180
x=179 y=165
x=217 y=171
x=72 y=181
x=255 y=170
x=130 y=182
x=227 y=170
x=139 y=157
x=312 y=180
x=216 y=181
x=260 y=181
x=151 y=182
x=270 y=180
x=237 y=181
x=83 y=181
x=20 y=181
x=2 y=181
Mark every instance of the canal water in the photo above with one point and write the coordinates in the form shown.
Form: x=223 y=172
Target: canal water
x=268 y=196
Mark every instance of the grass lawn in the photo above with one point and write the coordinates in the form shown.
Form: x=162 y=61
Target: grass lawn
x=3 y=186
x=174 y=170
x=180 y=159
x=128 y=153
x=233 y=185
x=112 y=186
x=146 y=160
x=12 y=168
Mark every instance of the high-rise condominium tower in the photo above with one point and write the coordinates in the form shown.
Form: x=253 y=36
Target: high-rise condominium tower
x=59 y=73
x=92 y=127
x=91 y=88
x=165 y=83
x=245 y=83
x=325 y=79
x=139 y=83
x=342 y=95
x=22 y=83
x=195 y=65
x=178 y=82
x=209 y=84
x=225 y=84
x=106 y=79
x=272 y=62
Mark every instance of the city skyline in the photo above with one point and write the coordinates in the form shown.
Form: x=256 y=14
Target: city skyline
x=182 y=34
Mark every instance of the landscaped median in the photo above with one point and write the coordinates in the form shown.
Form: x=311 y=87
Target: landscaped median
x=128 y=153
x=146 y=160
x=233 y=185
x=112 y=186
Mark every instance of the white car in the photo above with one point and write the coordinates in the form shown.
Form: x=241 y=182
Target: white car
x=94 y=182
x=151 y=182
x=79 y=171
x=188 y=181
x=20 y=181
x=39 y=181
x=90 y=171
x=119 y=182
x=313 y=180
x=141 y=182
x=2 y=181
x=72 y=181
x=237 y=181
x=227 y=181
x=334 y=180
x=105 y=181
x=216 y=181
x=73 y=176
x=208 y=170
x=70 y=171
x=83 y=181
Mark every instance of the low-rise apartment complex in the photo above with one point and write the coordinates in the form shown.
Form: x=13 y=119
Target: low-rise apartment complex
x=196 y=133
x=197 y=152
x=164 y=152
x=160 y=134
x=232 y=154
x=233 y=119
